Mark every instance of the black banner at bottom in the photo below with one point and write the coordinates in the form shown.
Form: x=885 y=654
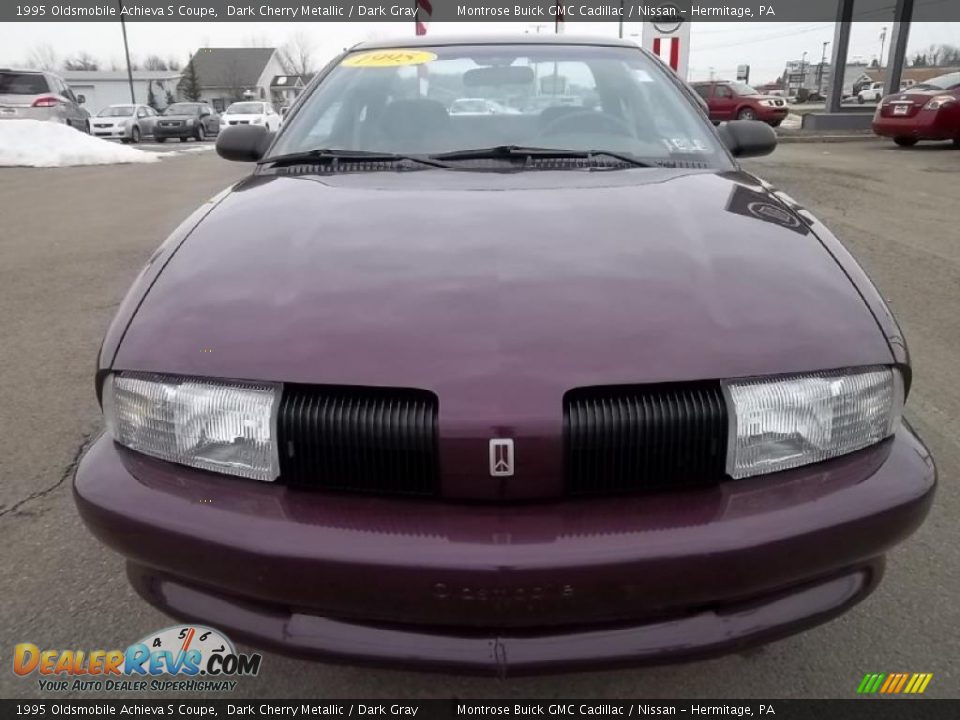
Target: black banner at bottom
x=859 y=709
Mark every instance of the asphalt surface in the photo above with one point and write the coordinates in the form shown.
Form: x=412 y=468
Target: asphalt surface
x=71 y=241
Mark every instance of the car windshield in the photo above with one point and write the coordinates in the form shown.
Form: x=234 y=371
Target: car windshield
x=183 y=109
x=244 y=108
x=436 y=100
x=949 y=81
x=18 y=83
x=117 y=111
x=743 y=89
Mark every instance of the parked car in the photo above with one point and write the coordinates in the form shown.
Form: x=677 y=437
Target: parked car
x=128 y=123
x=925 y=111
x=872 y=93
x=41 y=95
x=738 y=101
x=570 y=390
x=250 y=112
x=184 y=120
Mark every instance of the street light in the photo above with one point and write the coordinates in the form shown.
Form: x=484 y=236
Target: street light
x=803 y=70
x=823 y=59
x=883 y=40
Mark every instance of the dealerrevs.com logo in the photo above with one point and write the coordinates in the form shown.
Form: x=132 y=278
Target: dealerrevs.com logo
x=199 y=658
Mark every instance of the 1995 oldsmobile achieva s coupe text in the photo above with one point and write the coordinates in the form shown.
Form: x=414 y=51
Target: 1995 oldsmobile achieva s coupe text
x=554 y=385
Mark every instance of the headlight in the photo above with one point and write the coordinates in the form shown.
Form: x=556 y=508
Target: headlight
x=768 y=103
x=940 y=101
x=220 y=426
x=788 y=422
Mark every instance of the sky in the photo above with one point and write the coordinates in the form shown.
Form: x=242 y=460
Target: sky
x=716 y=48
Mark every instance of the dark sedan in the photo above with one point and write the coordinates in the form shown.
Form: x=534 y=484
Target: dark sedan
x=503 y=393
x=186 y=120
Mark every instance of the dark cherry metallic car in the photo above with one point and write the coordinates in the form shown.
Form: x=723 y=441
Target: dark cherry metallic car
x=558 y=386
x=928 y=111
x=738 y=101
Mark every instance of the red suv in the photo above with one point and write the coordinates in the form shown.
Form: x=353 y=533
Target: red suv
x=738 y=101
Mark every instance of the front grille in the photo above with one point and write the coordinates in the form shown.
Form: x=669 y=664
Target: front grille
x=375 y=440
x=626 y=439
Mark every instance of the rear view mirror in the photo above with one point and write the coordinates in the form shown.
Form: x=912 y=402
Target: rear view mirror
x=501 y=75
x=748 y=138
x=243 y=143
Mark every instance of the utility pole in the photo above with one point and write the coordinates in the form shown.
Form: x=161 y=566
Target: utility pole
x=883 y=41
x=823 y=59
x=126 y=51
x=621 y=20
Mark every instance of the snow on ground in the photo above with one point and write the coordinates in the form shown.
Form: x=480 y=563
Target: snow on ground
x=35 y=143
x=792 y=122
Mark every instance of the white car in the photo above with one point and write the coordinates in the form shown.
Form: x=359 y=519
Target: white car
x=251 y=113
x=872 y=93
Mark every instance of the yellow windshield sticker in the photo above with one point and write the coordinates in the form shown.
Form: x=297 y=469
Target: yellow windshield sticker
x=389 y=58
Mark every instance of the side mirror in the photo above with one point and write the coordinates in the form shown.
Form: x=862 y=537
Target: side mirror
x=243 y=143
x=81 y=99
x=748 y=138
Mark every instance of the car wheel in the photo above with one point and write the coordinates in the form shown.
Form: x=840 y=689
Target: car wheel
x=747 y=114
x=200 y=134
x=135 y=135
x=160 y=139
x=905 y=141
x=860 y=99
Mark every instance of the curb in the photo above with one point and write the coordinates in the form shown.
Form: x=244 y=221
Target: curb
x=817 y=138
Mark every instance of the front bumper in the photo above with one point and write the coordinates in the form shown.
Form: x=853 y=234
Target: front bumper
x=521 y=588
x=182 y=131
x=772 y=115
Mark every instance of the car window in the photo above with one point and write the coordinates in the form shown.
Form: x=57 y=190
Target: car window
x=20 y=83
x=581 y=98
x=244 y=108
x=723 y=91
x=703 y=91
x=142 y=112
x=743 y=89
x=116 y=111
x=183 y=109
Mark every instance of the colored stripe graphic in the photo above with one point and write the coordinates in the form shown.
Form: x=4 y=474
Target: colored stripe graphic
x=894 y=683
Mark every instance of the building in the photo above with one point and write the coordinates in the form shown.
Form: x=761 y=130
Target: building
x=106 y=87
x=815 y=77
x=284 y=89
x=227 y=75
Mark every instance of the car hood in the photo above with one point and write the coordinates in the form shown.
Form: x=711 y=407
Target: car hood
x=499 y=292
x=245 y=116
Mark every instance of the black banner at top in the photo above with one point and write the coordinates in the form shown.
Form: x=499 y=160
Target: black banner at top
x=521 y=11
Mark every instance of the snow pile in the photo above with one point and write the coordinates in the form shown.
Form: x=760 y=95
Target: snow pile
x=792 y=122
x=35 y=143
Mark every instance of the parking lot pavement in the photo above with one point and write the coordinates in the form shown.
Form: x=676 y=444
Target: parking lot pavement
x=73 y=239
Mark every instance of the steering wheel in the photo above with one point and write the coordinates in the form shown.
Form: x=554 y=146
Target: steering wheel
x=588 y=121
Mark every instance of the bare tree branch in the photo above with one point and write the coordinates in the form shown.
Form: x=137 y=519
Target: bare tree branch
x=297 y=55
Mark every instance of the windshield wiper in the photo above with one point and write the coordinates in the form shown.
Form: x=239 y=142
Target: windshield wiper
x=520 y=151
x=327 y=155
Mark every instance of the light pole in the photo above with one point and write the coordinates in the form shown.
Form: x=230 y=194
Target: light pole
x=823 y=59
x=803 y=71
x=126 y=51
x=883 y=40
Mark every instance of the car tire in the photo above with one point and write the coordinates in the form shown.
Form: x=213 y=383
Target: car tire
x=135 y=135
x=860 y=99
x=747 y=114
x=905 y=141
x=160 y=139
x=200 y=134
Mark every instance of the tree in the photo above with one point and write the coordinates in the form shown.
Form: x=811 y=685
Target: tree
x=43 y=57
x=81 y=61
x=173 y=63
x=152 y=96
x=189 y=85
x=170 y=98
x=296 y=55
x=155 y=62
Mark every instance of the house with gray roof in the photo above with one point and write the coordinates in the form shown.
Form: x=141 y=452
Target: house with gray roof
x=230 y=74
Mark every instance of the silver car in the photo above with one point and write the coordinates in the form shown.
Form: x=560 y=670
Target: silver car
x=129 y=123
x=40 y=95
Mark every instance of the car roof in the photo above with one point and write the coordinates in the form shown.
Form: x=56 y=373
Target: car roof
x=502 y=39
